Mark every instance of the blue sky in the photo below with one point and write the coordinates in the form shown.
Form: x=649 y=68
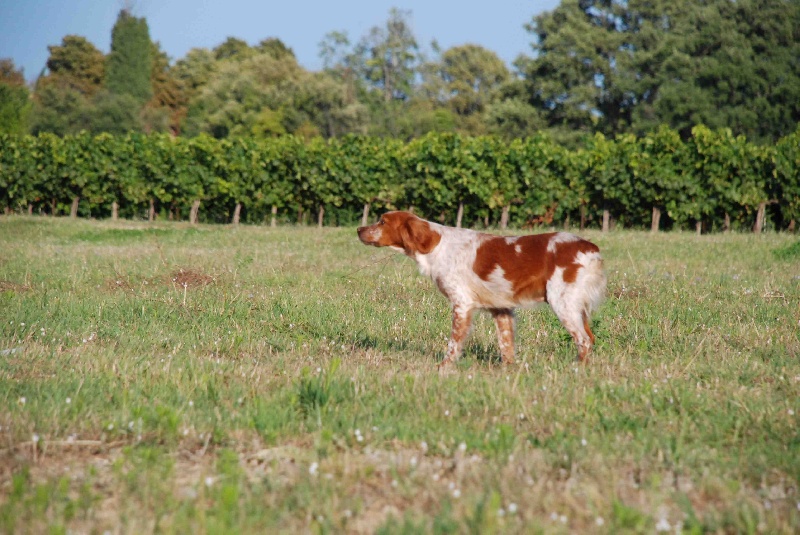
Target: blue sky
x=27 y=27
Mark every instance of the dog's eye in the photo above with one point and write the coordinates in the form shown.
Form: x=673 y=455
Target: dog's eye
x=381 y=222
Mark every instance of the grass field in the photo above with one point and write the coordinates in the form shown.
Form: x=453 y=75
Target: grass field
x=210 y=379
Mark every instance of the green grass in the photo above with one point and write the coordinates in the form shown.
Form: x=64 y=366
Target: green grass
x=162 y=377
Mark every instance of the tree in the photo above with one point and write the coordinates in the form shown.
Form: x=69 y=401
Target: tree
x=115 y=114
x=389 y=56
x=620 y=65
x=275 y=48
x=269 y=94
x=195 y=70
x=573 y=51
x=130 y=62
x=63 y=96
x=237 y=93
x=167 y=107
x=233 y=48
x=731 y=65
x=60 y=110
x=465 y=79
x=15 y=103
x=77 y=64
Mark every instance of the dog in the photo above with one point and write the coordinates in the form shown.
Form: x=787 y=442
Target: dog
x=476 y=270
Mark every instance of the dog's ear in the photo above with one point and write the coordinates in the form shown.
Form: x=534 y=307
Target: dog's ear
x=418 y=237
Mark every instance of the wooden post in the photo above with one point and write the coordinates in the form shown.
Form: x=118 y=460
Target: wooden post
x=460 y=214
x=114 y=211
x=30 y=209
x=606 y=220
x=760 y=218
x=698 y=227
x=321 y=216
x=365 y=215
x=726 y=225
x=792 y=225
x=566 y=222
x=656 y=221
x=73 y=211
x=236 y=213
x=583 y=217
x=193 y=212
x=151 y=213
x=274 y=221
x=504 y=217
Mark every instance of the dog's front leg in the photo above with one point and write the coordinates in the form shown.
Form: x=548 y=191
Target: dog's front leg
x=504 y=320
x=462 y=323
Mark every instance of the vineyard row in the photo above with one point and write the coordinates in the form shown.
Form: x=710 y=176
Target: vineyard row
x=710 y=181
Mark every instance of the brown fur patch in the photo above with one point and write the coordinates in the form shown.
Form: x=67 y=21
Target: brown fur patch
x=526 y=270
x=529 y=268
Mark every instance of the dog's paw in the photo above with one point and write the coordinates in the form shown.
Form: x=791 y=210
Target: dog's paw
x=446 y=367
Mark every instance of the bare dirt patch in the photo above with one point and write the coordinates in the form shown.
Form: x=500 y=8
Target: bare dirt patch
x=181 y=278
x=8 y=286
x=188 y=278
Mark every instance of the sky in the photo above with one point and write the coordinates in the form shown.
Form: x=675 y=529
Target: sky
x=28 y=27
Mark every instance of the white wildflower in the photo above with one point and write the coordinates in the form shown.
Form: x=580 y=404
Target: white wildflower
x=663 y=525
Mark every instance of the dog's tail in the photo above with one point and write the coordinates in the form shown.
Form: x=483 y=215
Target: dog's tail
x=593 y=281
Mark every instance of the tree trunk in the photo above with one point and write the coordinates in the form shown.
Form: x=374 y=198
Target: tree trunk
x=300 y=216
x=321 y=216
x=460 y=214
x=73 y=211
x=583 y=217
x=30 y=209
x=151 y=213
x=760 y=217
x=237 y=211
x=792 y=224
x=193 y=212
x=274 y=220
x=726 y=225
x=411 y=209
x=7 y=210
x=114 y=211
x=365 y=215
x=504 y=217
x=698 y=227
x=606 y=220
x=566 y=222
x=656 y=221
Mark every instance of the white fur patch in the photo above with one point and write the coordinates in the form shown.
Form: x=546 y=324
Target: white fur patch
x=560 y=237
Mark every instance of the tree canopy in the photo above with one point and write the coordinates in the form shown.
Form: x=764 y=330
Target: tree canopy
x=596 y=66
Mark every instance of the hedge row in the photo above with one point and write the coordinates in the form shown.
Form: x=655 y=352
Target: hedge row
x=713 y=180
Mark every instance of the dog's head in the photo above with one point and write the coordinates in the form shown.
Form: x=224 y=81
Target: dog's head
x=402 y=231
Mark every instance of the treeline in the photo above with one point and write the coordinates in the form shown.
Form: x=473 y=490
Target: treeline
x=610 y=66
x=712 y=181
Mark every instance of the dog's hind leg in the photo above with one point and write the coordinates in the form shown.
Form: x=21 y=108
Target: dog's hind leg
x=569 y=302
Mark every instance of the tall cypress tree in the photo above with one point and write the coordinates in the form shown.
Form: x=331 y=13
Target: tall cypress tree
x=130 y=61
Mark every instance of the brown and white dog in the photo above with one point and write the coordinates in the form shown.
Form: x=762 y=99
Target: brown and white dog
x=476 y=270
